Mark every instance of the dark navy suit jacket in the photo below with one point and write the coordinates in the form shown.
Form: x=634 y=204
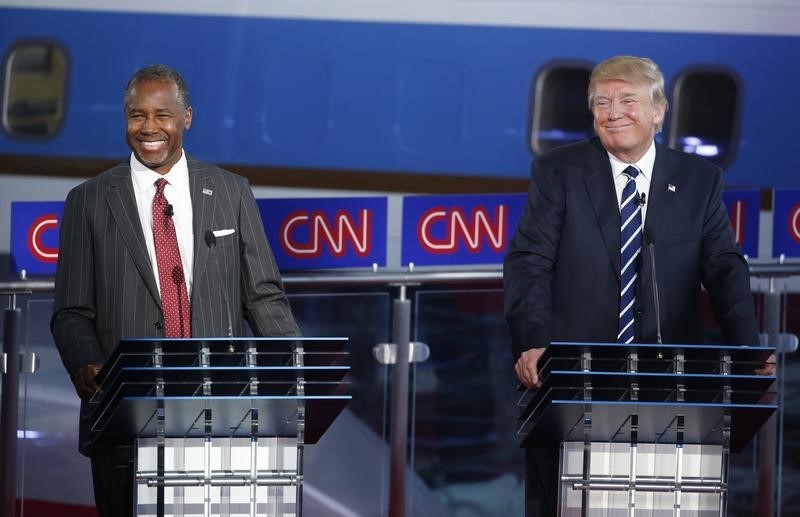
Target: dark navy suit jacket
x=561 y=273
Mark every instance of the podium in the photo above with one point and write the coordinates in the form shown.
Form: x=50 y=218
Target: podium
x=646 y=429
x=218 y=425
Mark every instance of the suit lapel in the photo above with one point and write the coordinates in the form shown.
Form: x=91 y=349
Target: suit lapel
x=601 y=192
x=660 y=207
x=201 y=186
x=122 y=204
x=661 y=196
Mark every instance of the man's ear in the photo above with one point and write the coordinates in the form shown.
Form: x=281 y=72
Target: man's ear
x=187 y=120
x=659 y=114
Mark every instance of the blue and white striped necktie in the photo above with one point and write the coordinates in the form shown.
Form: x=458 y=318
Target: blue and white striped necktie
x=630 y=250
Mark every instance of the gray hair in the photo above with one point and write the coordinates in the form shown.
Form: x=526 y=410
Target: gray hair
x=160 y=73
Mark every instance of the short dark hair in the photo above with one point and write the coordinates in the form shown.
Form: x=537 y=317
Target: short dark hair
x=160 y=73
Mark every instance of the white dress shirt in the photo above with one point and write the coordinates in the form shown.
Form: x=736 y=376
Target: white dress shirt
x=645 y=166
x=178 y=195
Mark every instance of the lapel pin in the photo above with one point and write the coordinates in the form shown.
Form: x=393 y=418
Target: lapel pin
x=671 y=187
x=208 y=192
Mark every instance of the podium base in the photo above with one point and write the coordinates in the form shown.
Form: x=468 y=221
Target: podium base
x=658 y=479
x=226 y=477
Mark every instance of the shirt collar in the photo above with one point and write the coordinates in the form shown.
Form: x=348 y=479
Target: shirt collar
x=645 y=163
x=145 y=178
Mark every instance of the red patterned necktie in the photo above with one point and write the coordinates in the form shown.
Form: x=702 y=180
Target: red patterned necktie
x=174 y=297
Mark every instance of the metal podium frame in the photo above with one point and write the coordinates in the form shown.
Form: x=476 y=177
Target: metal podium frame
x=648 y=404
x=215 y=398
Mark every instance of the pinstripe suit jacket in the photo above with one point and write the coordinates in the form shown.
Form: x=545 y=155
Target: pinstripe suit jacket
x=105 y=283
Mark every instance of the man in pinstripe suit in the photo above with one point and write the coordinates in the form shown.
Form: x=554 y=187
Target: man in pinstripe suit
x=107 y=281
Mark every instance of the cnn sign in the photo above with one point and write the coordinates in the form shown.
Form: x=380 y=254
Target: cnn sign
x=34 y=236
x=456 y=230
x=314 y=233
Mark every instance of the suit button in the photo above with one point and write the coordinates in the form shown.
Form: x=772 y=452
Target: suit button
x=159 y=325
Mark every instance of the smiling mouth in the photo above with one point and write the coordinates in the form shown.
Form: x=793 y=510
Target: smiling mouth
x=152 y=146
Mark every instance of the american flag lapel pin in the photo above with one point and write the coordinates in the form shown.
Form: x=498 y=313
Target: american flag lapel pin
x=207 y=191
x=671 y=187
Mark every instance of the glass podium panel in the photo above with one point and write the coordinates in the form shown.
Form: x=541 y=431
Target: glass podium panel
x=49 y=466
x=463 y=442
x=348 y=468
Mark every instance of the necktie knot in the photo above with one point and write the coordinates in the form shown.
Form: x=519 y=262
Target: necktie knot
x=161 y=183
x=631 y=172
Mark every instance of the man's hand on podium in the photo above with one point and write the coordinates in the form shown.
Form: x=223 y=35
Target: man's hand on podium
x=527 y=367
x=84 y=381
x=768 y=368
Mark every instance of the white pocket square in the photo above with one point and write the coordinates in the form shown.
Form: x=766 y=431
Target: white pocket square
x=223 y=233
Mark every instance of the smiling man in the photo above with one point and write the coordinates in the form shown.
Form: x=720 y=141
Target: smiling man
x=141 y=253
x=577 y=268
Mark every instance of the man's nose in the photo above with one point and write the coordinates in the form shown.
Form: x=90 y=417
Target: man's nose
x=149 y=125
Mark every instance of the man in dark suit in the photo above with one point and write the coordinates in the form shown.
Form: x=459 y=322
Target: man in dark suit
x=577 y=271
x=144 y=257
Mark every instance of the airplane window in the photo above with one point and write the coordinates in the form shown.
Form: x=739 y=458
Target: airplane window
x=33 y=90
x=560 y=113
x=706 y=111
